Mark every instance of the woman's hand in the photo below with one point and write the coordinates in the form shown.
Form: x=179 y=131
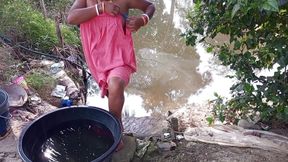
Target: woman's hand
x=134 y=23
x=111 y=8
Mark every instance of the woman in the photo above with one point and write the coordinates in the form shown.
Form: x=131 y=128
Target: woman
x=105 y=29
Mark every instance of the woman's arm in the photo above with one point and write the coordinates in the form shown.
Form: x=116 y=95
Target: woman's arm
x=144 y=5
x=135 y=22
x=80 y=13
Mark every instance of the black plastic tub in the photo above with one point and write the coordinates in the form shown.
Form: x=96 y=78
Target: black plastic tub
x=38 y=130
x=4 y=113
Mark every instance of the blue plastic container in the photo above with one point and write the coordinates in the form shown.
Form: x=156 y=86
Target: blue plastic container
x=66 y=103
x=34 y=132
x=4 y=113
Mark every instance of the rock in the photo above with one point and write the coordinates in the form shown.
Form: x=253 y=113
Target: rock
x=8 y=145
x=179 y=137
x=174 y=124
x=191 y=116
x=247 y=125
x=41 y=63
x=127 y=153
x=167 y=135
x=166 y=146
x=59 y=91
x=145 y=126
x=56 y=67
x=34 y=100
x=65 y=80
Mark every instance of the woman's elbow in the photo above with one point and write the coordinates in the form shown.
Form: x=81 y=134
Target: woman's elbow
x=71 y=20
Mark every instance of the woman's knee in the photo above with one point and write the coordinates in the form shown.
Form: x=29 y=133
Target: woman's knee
x=116 y=86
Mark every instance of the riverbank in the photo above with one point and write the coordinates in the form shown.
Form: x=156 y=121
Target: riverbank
x=156 y=138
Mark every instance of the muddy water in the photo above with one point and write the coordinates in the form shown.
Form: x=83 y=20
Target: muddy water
x=168 y=71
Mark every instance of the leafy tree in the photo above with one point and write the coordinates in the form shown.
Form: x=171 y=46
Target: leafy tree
x=258 y=40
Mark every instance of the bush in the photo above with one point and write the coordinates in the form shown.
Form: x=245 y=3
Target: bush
x=258 y=41
x=39 y=80
x=70 y=35
x=26 y=24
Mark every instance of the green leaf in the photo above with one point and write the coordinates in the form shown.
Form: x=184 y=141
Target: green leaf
x=286 y=111
x=221 y=117
x=237 y=45
x=209 y=49
x=235 y=9
x=271 y=5
x=257 y=33
x=248 y=88
x=210 y=120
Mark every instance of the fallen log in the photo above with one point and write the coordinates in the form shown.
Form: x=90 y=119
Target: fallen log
x=230 y=135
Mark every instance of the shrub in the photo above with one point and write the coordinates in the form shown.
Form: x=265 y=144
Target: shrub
x=25 y=24
x=39 y=80
x=258 y=41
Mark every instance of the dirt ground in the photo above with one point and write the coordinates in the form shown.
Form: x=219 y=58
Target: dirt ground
x=195 y=151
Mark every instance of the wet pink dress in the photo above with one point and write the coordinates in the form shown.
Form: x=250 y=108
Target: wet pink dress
x=108 y=49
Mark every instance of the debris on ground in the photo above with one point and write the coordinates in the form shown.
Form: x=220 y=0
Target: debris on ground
x=17 y=95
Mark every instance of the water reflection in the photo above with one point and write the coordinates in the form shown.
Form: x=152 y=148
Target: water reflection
x=167 y=69
x=166 y=74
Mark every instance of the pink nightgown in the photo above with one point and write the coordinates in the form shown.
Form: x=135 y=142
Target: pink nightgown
x=108 y=49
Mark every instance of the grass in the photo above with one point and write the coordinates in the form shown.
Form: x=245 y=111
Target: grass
x=39 y=80
x=7 y=65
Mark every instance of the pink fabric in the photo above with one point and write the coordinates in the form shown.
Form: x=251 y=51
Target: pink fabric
x=107 y=47
x=123 y=72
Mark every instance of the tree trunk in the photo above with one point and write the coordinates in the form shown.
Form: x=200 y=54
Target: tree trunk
x=42 y=4
x=58 y=31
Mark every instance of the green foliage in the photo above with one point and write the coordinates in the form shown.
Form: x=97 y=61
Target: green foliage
x=210 y=120
x=7 y=71
x=39 y=80
x=21 y=19
x=58 y=4
x=26 y=24
x=53 y=7
x=258 y=33
x=70 y=35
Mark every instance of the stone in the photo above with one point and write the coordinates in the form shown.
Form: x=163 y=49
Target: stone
x=174 y=124
x=127 y=153
x=145 y=126
x=167 y=135
x=8 y=144
x=247 y=124
x=166 y=146
x=179 y=137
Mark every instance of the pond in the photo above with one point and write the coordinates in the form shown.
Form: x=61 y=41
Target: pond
x=170 y=75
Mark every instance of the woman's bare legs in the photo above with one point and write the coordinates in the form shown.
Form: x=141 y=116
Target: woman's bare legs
x=116 y=100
